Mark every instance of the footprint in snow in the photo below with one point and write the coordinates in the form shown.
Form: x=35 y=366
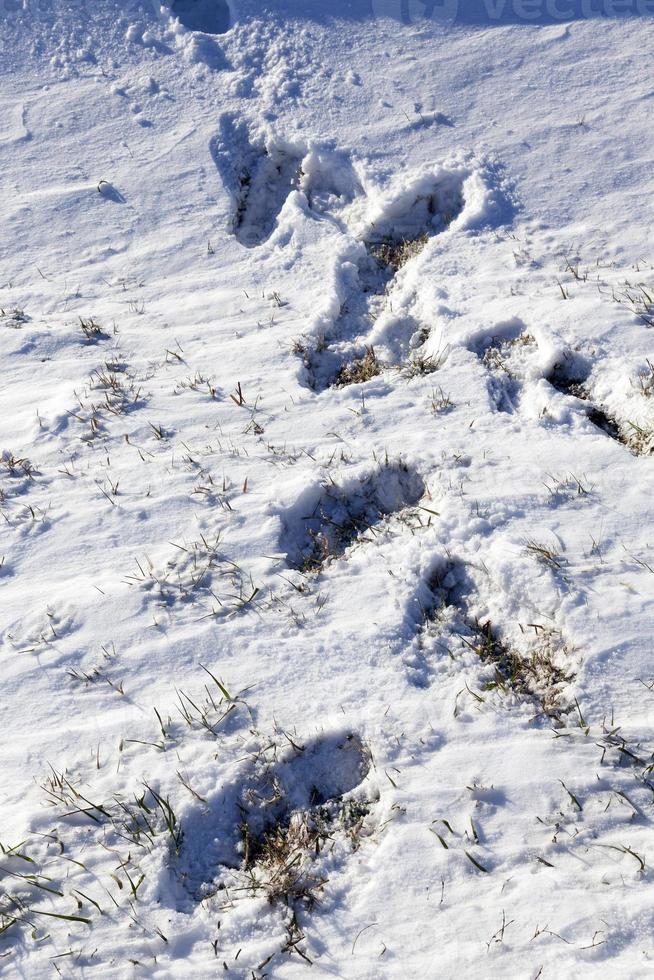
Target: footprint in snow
x=273 y=824
x=397 y=231
x=260 y=172
x=571 y=376
x=506 y=355
x=513 y=358
x=327 y=519
x=259 y=177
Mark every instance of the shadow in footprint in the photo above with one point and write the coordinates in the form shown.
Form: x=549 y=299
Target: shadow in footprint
x=570 y=377
x=258 y=176
x=284 y=810
x=328 y=519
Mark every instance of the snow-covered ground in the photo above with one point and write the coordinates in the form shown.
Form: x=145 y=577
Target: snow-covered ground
x=326 y=420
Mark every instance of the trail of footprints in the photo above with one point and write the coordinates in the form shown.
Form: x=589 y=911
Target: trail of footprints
x=296 y=802
x=261 y=175
x=274 y=824
x=333 y=517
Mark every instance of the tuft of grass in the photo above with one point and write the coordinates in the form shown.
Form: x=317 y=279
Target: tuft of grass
x=646 y=380
x=120 y=392
x=569 y=487
x=92 y=330
x=360 y=370
x=17 y=466
x=639 y=439
x=198 y=382
x=639 y=299
x=396 y=252
x=439 y=402
x=279 y=861
x=192 y=574
x=544 y=554
x=537 y=675
x=425 y=364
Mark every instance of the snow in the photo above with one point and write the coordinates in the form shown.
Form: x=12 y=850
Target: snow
x=325 y=463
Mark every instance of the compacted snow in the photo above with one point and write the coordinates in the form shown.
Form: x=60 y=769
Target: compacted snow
x=326 y=431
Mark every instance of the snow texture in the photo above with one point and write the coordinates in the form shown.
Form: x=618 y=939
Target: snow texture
x=326 y=446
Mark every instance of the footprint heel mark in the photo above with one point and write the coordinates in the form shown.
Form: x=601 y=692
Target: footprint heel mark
x=423 y=611
x=506 y=354
x=270 y=829
x=259 y=175
x=330 y=518
x=210 y=846
x=439 y=617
